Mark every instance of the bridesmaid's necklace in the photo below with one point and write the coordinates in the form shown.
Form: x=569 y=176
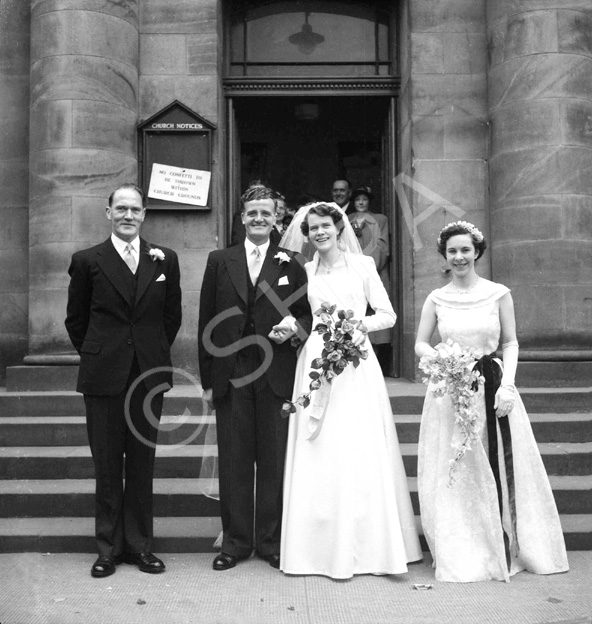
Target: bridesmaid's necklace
x=465 y=291
x=327 y=268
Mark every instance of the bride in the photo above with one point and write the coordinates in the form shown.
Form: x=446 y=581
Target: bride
x=347 y=508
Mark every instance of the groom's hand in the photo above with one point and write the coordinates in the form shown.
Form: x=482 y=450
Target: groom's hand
x=207 y=396
x=283 y=331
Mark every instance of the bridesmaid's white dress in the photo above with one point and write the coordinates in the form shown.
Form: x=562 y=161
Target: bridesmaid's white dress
x=462 y=523
x=347 y=508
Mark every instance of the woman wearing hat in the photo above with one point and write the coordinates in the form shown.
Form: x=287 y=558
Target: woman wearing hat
x=373 y=235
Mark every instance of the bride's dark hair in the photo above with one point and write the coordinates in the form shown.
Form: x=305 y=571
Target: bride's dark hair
x=323 y=210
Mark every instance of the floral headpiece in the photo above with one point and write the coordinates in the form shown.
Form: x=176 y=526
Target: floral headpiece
x=469 y=227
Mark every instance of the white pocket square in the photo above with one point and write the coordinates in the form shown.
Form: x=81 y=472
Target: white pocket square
x=283 y=281
x=161 y=278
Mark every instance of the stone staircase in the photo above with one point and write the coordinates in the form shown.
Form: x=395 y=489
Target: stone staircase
x=46 y=471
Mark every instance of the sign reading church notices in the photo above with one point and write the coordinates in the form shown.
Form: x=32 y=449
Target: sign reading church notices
x=176 y=184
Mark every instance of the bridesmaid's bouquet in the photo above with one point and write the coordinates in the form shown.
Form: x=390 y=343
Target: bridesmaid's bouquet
x=338 y=352
x=451 y=371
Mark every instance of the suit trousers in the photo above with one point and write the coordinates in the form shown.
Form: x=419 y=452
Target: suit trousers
x=123 y=513
x=251 y=433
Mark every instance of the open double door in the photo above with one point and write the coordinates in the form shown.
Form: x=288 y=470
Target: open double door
x=300 y=145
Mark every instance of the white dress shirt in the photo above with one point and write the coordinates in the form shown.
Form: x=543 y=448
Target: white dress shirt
x=250 y=247
x=120 y=246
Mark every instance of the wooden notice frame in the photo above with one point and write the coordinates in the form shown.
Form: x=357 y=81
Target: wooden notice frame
x=178 y=137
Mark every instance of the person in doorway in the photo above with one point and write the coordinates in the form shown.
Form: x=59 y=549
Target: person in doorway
x=123 y=313
x=280 y=215
x=372 y=230
x=487 y=508
x=251 y=294
x=341 y=194
x=347 y=508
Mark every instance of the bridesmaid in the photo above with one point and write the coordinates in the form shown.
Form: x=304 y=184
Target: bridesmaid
x=497 y=516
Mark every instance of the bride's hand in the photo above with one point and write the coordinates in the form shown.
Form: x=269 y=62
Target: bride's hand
x=358 y=338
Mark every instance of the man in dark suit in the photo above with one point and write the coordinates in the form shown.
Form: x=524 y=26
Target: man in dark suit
x=253 y=301
x=124 y=311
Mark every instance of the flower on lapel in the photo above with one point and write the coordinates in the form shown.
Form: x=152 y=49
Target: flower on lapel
x=281 y=256
x=156 y=254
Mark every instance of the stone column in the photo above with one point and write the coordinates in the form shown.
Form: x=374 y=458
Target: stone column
x=84 y=103
x=540 y=107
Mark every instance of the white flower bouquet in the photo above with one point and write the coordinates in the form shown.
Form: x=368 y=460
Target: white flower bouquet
x=451 y=371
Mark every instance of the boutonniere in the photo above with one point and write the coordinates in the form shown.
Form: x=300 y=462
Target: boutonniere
x=156 y=254
x=281 y=256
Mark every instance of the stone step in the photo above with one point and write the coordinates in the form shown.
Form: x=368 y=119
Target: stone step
x=533 y=374
x=183 y=497
x=183 y=401
x=406 y=398
x=560 y=374
x=75 y=462
x=190 y=535
x=71 y=430
x=76 y=498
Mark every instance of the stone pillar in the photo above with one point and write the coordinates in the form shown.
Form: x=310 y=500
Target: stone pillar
x=14 y=181
x=84 y=103
x=540 y=108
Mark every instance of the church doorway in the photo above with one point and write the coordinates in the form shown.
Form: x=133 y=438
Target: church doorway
x=311 y=90
x=299 y=145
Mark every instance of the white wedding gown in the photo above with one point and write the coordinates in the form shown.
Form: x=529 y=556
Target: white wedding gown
x=347 y=508
x=461 y=522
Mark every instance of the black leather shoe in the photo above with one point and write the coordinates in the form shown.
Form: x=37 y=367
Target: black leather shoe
x=147 y=562
x=273 y=560
x=104 y=566
x=224 y=561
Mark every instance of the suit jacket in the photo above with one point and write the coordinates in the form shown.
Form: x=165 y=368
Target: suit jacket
x=108 y=325
x=223 y=315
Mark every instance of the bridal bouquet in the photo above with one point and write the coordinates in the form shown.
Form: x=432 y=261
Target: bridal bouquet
x=451 y=372
x=337 y=353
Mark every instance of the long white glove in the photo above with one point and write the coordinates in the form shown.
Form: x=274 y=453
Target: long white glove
x=424 y=348
x=505 y=397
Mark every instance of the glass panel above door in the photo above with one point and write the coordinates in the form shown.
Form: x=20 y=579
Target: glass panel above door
x=320 y=38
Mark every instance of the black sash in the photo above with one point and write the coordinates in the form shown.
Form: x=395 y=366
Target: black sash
x=492 y=373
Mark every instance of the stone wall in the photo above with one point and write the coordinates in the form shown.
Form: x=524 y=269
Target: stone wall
x=444 y=138
x=180 y=60
x=14 y=180
x=84 y=77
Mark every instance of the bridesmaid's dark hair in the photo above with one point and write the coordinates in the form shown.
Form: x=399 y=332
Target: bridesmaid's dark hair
x=462 y=227
x=323 y=210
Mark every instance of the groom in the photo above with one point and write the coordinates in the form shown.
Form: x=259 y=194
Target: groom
x=251 y=294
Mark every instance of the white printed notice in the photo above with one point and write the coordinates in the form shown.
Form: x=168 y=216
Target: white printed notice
x=175 y=184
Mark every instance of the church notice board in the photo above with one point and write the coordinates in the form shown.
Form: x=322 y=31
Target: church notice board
x=175 y=153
